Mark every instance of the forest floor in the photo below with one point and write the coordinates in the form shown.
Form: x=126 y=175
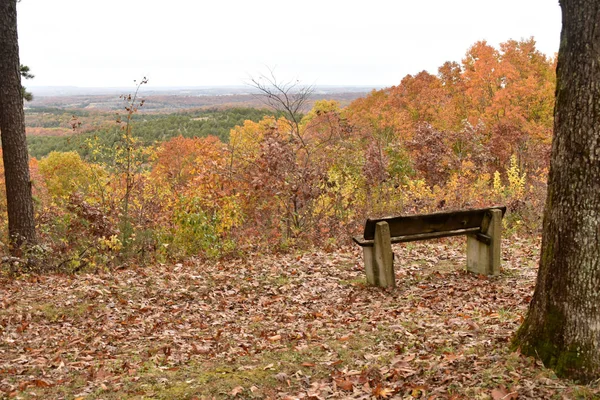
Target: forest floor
x=287 y=326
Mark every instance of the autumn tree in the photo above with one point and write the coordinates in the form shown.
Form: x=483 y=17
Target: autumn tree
x=198 y=208
x=176 y=161
x=279 y=166
x=562 y=326
x=286 y=156
x=482 y=76
x=21 y=224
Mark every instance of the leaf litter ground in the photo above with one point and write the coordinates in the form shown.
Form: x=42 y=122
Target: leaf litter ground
x=286 y=326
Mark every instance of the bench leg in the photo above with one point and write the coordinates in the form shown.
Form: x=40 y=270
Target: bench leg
x=379 y=259
x=484 y=259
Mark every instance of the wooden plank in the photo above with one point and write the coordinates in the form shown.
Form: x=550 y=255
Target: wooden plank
x=429 y=223
x=359 y=240
x=422 y=236
x=484 y=258
x=483 y=238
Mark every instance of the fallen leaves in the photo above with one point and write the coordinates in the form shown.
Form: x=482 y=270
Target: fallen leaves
x=280 y=327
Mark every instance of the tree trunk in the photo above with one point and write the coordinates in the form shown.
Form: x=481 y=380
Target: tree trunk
x=21 y=225
x=562 y=326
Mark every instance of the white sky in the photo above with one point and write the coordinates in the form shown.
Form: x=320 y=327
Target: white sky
x=109 y=43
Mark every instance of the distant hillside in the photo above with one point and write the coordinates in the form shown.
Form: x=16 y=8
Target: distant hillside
x=167 y=112
x=49 y=128
x=171 y=99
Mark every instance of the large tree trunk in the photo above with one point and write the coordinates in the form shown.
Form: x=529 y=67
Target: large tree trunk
x=563 y=324
x=21 y=225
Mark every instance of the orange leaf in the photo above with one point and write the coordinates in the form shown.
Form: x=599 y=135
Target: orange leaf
x=41 y=383
x=344 y=384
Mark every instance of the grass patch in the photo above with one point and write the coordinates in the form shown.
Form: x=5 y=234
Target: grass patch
x=360 y=282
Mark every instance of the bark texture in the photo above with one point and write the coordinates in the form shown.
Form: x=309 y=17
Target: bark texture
x=562 y=326
x=21 y=225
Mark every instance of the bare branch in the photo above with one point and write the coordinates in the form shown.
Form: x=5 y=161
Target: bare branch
x=288 y=97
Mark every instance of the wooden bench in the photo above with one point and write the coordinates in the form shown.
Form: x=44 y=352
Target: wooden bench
x=483 y=228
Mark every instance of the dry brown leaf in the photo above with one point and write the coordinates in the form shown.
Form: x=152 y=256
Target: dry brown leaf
x=501 y=393
x=236 y=390
x=382 y=392
x=344 y=384
x=450 y=357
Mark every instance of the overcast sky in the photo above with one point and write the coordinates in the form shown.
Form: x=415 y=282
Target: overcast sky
x=109 y=43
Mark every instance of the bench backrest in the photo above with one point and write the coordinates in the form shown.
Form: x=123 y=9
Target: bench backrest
x=427 y=223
